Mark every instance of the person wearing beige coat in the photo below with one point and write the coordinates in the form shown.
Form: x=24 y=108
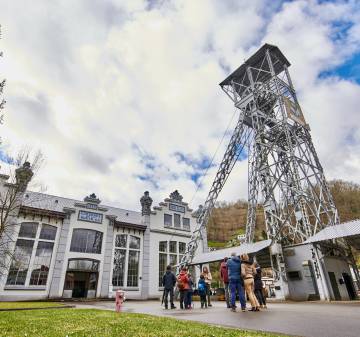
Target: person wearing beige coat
x=248 y=271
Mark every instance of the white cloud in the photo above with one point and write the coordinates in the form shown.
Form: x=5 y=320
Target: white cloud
x=99 y=86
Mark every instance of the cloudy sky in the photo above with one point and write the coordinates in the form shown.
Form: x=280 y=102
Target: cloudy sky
x=123 y=96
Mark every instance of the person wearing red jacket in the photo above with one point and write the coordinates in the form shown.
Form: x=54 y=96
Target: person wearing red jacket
x=183 y=286
x=224 y=276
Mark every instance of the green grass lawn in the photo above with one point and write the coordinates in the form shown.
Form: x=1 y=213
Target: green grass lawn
x=101 y=323
x=17 y=305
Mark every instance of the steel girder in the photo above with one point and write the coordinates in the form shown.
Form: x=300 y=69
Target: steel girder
x=238 y=141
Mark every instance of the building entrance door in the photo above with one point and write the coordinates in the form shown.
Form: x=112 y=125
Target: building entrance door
x=80 y=285
x=81 y=278
x=349 y=286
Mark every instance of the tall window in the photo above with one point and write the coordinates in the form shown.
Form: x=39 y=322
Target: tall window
x=41 y=264
x=20 y=262
x=86 y=241
x=167 y=220
x=119 y=260
x=162 y=260
x=186 y=224
x=170 y=253
x=126 y=261
x=182 y=248
x=134 y=257
x=33 y=251
x=177 y=220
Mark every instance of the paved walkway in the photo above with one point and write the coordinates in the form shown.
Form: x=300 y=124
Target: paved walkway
x=313 y=319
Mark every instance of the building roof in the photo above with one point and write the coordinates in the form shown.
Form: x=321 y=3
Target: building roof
x=54 y=203
x=218 y=255
x=348 y=230
x=140 y=227
x=255 y=61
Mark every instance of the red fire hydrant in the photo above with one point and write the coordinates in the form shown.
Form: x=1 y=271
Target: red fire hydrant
x=119 y=299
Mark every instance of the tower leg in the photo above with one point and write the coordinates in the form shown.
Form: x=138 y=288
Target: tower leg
x=279 y=272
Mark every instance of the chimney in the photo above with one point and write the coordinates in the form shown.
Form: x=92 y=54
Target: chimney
x=23 y=176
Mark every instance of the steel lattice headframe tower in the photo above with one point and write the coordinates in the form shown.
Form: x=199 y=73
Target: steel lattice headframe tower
x=282 y=162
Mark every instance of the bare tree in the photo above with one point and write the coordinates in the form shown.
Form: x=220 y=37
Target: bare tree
x=12 y=189
x=2 y=85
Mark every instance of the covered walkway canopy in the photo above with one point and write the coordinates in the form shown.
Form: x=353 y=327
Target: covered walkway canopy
x=260 y=248
x=350 y=231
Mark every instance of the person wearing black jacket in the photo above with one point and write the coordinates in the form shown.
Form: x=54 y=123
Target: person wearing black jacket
x=169 y=281
x=258 y=287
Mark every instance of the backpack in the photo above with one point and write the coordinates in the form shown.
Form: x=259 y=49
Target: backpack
x=180 y=283
x=201 y=288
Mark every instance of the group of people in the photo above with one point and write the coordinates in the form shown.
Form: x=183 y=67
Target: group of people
x=185 y=285
x=236 y=273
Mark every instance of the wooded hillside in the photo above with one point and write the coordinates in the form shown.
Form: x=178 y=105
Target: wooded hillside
x=229 y=219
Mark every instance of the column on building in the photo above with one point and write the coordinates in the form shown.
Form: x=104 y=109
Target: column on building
x=106 y=285
x=146 y=203
x=55 y=286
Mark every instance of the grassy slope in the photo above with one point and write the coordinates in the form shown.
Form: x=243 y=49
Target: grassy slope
x=101 y=323
x=17 y=305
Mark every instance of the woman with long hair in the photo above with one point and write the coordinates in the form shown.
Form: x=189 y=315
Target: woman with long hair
x=208 y=279
x=248 y=272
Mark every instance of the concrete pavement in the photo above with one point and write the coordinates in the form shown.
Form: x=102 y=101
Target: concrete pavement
x=310 y=319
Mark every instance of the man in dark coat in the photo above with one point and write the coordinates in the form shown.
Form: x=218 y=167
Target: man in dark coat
x=169 y=281
x=234 y=267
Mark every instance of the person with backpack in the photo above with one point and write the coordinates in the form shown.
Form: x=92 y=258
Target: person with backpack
x=234 y=268
x=168 y=282
x=208 y=279
x=183 y=286
x=202 y=291
x=224 y=276
x=189 y=293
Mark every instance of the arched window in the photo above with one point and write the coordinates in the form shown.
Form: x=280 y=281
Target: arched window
x=86 y=241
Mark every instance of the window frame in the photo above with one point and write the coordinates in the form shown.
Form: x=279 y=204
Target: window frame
x=36 y=240
x=127 y=250
x=168 y=224
x=88 y=230
x=177 y=225
x=169 y=255
x=186 y=227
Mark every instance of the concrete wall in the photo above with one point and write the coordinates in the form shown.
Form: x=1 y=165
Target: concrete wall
x=296 y=259
x=299 y=259
x=337 y=266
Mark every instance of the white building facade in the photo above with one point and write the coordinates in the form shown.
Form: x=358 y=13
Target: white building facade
x=65 y=248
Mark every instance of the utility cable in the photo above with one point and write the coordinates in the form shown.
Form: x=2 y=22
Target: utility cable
x=213 y=157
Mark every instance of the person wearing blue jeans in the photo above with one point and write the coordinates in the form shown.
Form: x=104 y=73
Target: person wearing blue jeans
x=234 y=271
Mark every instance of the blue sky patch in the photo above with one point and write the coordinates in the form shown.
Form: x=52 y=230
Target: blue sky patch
x=201 y=163
x=148 y=178
x=349 y=70
x=198 y=165
x=5 y=158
